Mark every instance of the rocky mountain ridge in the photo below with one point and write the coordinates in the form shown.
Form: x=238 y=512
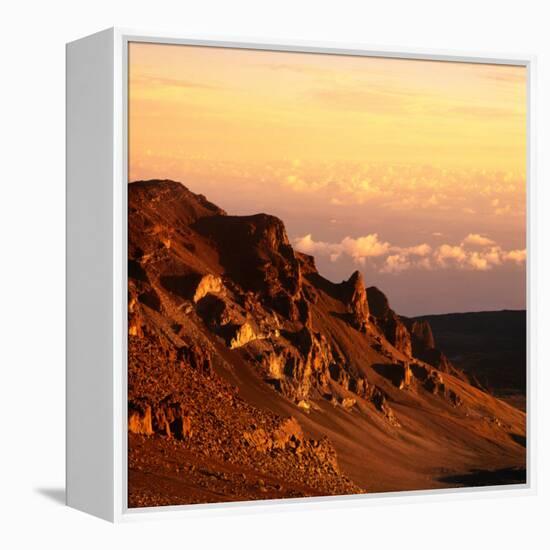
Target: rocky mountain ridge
x=222 y=305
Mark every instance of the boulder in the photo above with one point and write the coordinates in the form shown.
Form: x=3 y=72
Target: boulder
x=140 y=419
x=348 y=402
x=243 y=334
x=206 y=285
x=286 y=431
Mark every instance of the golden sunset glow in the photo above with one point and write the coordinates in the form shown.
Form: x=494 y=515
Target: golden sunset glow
x=250 y=106
x=327 y=266
x=406 y=155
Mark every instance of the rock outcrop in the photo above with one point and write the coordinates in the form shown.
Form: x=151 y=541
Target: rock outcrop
x=422 y=336
x=255 y=251
x=389 y=322
x=432 y=380
x=244 y=334
x=424 y=347
x=355 y=296
x=208 y=284
x=167 y=418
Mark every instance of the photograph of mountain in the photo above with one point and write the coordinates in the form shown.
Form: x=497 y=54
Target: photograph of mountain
x=326 y=275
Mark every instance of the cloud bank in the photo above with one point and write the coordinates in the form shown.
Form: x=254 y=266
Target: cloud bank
x=475 y=252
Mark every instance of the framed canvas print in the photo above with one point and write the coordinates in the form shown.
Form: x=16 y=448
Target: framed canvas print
x=297 y=274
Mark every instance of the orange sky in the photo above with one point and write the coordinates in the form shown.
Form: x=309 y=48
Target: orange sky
x=412 y=152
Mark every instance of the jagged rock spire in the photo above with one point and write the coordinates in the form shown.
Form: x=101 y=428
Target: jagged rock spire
x=355 y=297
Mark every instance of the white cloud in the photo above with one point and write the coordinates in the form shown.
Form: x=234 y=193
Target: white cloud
x=395 y=259
x=404 y=187
x=364 y=247
x=449 y=252
x=368 y=246
x=494 y=255
x=483 y=259
x=478 y=262
x=395 y=263
x=477 y=240
x=307 y=245
x=418 y=250
x=518 y=256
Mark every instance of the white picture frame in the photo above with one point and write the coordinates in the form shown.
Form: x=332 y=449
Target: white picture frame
x=96 y=179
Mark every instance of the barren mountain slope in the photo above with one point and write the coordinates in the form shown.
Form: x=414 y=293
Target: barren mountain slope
x=489 y=346
x=251 y=376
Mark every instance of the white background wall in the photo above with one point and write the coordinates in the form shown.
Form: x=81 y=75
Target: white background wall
x=32 y=90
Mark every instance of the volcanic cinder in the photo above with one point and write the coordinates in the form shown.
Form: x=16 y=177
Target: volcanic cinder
x=251 y=376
